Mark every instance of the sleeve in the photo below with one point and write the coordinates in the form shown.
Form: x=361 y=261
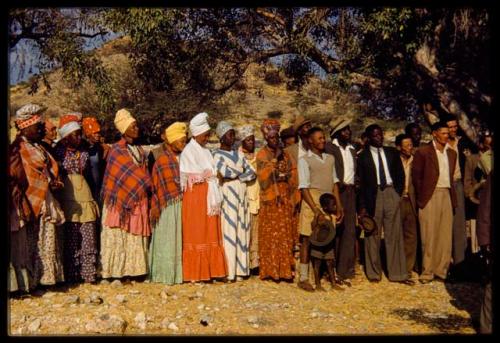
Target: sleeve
x=225 y=170
x=417 y=172
x=334 y=174
x=265 y=170
x=304 y=176
x=248 y=171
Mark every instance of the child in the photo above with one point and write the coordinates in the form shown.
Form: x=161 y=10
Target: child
x=322 y=241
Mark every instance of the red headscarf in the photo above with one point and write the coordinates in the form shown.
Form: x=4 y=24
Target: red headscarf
x=90 y=126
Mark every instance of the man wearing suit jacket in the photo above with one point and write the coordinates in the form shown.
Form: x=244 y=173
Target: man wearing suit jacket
x=381 y=179
x=408 y=202
x=345 y=166
x=432 y=173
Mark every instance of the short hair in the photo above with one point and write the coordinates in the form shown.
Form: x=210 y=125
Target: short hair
x=313 y=130
x=401 y=137
x=371 y=128
x=325 y=199
x=446 y=117
x=411 y=126
x=439 y=125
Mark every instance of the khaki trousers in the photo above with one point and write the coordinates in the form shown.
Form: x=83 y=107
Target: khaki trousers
x=436 y=223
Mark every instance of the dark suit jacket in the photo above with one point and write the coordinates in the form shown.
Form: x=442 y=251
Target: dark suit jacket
x=334 y=150
x=483 y=228
x=367 y=175
x=293 y=151
x=425 y=173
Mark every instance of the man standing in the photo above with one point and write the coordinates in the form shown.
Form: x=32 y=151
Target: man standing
x=345 y=161
x=415 y=132
x=408 y=203
x=381 y=179
x=432 y=174
x=316 y=176
x=459 y=236
x=299 y=149
x=48 y=141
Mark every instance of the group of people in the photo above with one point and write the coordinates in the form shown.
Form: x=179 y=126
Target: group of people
x=81 y=209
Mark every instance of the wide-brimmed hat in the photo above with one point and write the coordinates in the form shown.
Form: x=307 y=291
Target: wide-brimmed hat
x=300 y=121
x=367 y=224
x=323 y=235
x=338 y=124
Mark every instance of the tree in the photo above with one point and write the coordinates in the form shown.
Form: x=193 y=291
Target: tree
x=404 y=59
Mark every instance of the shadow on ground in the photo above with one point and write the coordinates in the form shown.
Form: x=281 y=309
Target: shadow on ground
x=444 y=323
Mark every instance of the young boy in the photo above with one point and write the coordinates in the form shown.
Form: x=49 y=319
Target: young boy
x=322 y=240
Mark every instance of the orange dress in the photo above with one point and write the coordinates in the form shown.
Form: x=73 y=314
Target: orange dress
x=276 y=259
x=202 y=250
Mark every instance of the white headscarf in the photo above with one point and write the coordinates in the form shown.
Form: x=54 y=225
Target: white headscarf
x=199 y=124
x=198 y=165
x=222 y=128
x=68 y=128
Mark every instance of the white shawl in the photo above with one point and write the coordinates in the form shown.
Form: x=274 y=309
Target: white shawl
x=197 y=165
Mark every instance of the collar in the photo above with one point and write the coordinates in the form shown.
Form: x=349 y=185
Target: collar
x=310 y=154
x=375 y=150
x=348 y=146
x=445 y=147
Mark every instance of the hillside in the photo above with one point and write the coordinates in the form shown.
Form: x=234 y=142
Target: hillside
x=252 y=100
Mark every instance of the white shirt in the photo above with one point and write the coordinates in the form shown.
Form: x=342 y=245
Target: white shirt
x=457 y=174
x=348 y=162
x=303 y=168
x=374 y=152
x=444 y=167
x=302 y=151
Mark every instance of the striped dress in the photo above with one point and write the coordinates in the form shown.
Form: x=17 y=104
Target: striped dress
x=235 y=216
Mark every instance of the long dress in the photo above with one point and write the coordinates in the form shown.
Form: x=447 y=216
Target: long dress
x=125 y=228
x=203 y=255
x=165 y=250
x=44 y=235
x=253 y=190
x=276 y=259
x=235 y=218
x=81 y=212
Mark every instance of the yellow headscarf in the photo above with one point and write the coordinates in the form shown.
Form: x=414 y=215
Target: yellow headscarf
x=175 y=131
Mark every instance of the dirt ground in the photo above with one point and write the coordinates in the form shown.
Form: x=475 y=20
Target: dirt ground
x=248 y=307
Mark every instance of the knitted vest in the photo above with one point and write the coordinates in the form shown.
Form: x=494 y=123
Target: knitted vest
x=321 y=172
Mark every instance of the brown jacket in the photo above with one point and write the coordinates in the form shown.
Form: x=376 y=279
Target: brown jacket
x=425 y=173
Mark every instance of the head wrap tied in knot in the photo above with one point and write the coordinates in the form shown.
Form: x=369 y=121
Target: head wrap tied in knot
x=175 y=131
x=199 y=124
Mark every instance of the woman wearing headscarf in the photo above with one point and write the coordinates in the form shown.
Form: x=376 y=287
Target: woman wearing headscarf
x=125 y=195
x=165 y=250
x=36 y=251
x=202 y=248
x=275 y=169
x=97 y=153
x=235 y=219
x=80 y=209
x=247 y=137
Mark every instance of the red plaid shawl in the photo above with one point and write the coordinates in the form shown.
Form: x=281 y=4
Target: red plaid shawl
x=166 y=183
x=125 y=184
x=40 y=168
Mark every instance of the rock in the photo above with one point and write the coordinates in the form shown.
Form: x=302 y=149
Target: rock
x=104 y=282
x=134 y=291
x=34 y=326
x=199 y=294
x=57 y=305
x=172 y=327
x=201 y=306
x=106 y=323
x=255 y=326
x=20 y=331
x=206 y=319
x=253 y=319
x=120 y=298
x=174 y=297
x=163 y=295
x=164 y=323
x=48 y=295
x=72 y=299
x=141 y=320
x=116 y=283
x=95 y=298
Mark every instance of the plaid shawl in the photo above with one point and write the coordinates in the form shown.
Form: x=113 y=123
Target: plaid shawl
x=40 y=168
x=125 y=184
x=166 y=183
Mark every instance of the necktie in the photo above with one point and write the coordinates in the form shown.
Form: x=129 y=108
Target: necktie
x=381 y=170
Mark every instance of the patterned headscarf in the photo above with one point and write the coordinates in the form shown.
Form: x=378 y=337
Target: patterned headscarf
x=245 y=131
x=222 y=128
x=270 y=127
x=90 y=126
x=28 y=115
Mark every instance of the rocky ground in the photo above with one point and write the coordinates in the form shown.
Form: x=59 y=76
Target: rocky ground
x=248 y=307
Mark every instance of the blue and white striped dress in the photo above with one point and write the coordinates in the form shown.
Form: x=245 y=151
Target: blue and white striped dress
x=235 y=216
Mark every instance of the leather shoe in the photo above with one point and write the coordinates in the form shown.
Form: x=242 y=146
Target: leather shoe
x=374 y=280
x=407 y=282
x=423 y=282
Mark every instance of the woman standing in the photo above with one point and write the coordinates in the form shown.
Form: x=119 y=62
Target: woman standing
x=80 y=209
x=125 y=218
x=202 y=251
x=36 y=254
x=165 y=250
x=235 y=219
x=247 y=148
x=274 y=171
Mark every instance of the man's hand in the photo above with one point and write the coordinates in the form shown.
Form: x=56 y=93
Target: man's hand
x=340 y=214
